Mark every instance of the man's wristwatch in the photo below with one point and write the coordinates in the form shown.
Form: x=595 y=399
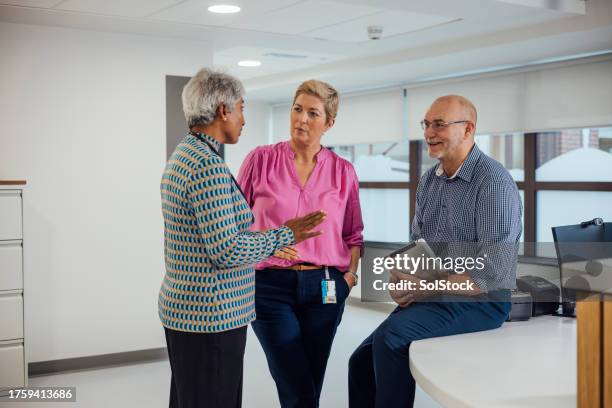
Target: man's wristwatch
x=354 y=275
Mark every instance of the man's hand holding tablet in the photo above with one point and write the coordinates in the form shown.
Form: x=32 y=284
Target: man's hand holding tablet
x=411 y=274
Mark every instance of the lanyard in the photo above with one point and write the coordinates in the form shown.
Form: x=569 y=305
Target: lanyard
x=212 y=148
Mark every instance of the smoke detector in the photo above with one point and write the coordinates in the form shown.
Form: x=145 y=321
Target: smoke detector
x=375 y=32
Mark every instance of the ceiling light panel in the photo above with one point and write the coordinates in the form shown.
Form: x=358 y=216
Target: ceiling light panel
x=32 y=3
x=304 y=16
x=393 y=22
x=230 y=64
x=132 y=8
x=249 y=63
x=250 y=73
x=273 y=60
x=196 y=11
x=224 y=9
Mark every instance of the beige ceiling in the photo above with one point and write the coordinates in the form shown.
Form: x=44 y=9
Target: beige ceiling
x=328 y=38
x=323 y=19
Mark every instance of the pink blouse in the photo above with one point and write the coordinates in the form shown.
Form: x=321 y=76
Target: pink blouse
x=269 y=180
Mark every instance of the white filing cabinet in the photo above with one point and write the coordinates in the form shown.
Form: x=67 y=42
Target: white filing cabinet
x=13 y=363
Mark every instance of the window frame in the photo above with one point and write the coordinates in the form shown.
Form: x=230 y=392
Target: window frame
x=530 y=187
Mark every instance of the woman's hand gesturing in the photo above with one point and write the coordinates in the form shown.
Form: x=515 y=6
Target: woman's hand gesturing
x=302 y=227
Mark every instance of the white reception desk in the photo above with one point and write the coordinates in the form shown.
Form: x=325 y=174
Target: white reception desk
x=522 y=364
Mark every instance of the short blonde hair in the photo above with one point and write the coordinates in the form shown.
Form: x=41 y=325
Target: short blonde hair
x=322 y=90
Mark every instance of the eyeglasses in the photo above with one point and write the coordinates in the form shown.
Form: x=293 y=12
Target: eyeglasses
x=437 y=125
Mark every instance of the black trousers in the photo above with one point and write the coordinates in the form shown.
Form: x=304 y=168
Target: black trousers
x=206 y=368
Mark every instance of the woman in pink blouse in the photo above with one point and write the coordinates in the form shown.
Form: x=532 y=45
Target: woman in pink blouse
x=300 y=291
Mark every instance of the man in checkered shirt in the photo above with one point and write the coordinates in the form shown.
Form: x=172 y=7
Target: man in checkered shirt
x=467 y=205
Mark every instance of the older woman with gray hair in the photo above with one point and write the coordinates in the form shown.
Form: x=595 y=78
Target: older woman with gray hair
x=206 y=299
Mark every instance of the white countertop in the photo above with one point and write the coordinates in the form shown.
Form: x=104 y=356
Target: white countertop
x=522 y=364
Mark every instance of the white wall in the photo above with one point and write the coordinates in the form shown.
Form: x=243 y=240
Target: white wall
x=83 y=120
x=255 y=133
x=280 y=122
x=366 y=117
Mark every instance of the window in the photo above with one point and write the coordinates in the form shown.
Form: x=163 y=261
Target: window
x=564 y=177
x=383 y=170
x=385 y=214
x=569 y=181
x=557 y=208
x=575 y=155
x=506 y=149
x=378 y=161
x=573 y=180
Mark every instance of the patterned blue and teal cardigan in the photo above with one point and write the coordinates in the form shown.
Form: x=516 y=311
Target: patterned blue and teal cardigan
x=209 y=251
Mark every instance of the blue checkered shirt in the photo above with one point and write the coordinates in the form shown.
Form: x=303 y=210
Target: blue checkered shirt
x=476 y=212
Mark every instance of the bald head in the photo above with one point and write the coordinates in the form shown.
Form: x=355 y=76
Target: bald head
x=463 y=104
x=450 y=126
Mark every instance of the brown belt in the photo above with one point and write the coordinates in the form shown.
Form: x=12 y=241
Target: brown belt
x=298 y=267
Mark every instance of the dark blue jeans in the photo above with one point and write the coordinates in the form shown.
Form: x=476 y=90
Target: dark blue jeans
x=379 y=374
x=296 y=330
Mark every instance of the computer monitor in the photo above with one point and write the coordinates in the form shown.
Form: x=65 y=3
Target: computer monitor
x=574 y=242
x=584 y=252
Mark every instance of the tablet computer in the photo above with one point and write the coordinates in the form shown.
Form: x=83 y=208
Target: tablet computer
x=413 y=259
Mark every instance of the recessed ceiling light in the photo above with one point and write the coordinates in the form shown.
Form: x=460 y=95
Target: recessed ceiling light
x=224 y=9
x=249 y=63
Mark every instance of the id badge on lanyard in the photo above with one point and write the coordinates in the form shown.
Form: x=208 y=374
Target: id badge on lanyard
x=328 y=288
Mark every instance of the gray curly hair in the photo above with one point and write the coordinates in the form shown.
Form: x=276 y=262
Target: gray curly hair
x=205 y=92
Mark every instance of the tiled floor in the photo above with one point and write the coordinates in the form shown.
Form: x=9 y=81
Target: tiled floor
x=147 y=385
